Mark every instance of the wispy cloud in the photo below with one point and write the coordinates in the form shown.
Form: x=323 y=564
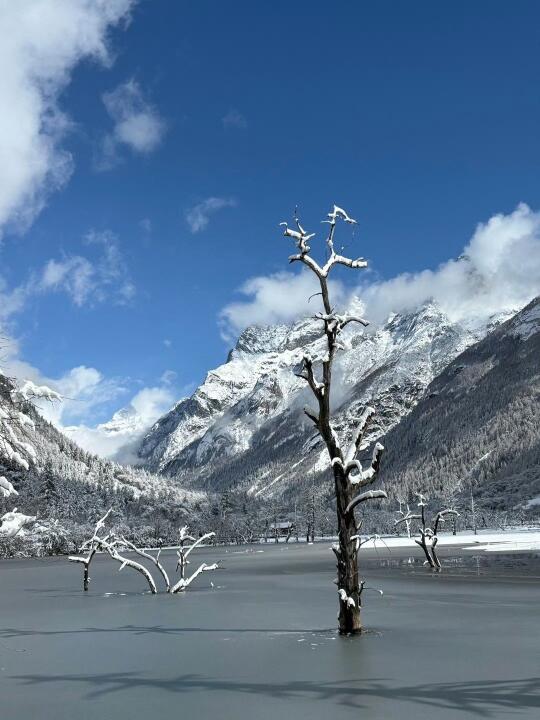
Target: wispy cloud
x=498 y=271
x=41 y=44
x=199 y=215
x=89 y=281
x=88 y=395
x=273 y=299
x=137 y=125
x=86 y=280
x=234 y=120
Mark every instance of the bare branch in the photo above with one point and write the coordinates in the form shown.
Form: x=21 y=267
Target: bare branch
x=148 y=556
x=368 y=476
x=183 y=583
x=439 y=517
x=312 y=416
x=368 y=495
x=365 y=419
x=114 y=547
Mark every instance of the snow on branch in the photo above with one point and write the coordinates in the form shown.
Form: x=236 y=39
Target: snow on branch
x=31 y=391
x=353 y=467
x=308 y=375
x=183 y=553
x=428 y=537
x=116 y=546
x=301 y=239
x=90 y=547
x=362 y=497
x=184 y=583
x=364 y=421
x=407 y=518
x=153 y=558
x=440 y=516
x=300 y=236
x=12 y=419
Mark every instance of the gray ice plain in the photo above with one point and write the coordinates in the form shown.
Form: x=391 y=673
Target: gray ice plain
x=261 y=643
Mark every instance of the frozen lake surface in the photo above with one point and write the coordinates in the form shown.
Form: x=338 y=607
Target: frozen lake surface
x=262 y=643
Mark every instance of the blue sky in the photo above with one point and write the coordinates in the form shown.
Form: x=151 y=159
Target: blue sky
x=420 y=118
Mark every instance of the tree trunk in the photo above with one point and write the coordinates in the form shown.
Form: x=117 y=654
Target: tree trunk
x=348 y=580
x=86 y=581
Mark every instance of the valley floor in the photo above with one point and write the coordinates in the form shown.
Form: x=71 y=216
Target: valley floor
x=261 y=643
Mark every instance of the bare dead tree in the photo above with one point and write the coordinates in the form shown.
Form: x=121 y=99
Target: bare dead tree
x=349 y=475
x=405 y=517
x=90 y=547
x=428 y=533
x=183 y=553
x=116 y=546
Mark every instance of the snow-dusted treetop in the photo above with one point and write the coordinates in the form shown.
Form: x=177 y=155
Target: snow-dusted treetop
x=12 y=523
x=31 y=391
x=6 y=488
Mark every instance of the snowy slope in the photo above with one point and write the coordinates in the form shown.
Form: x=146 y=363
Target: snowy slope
x=33 y=452
x=479 y=422
x=244 y=425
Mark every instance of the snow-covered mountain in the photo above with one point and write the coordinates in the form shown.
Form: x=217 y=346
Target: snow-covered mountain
x=244 y=426
x=126 y=421
x=46 y=474
x=479 y=422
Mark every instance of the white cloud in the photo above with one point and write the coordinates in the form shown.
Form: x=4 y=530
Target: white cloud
x=168 y=377
x=74 y=275
x=278 y=298
x=234 y=119
x=41 y=42
x=118 y=438
x=498 y=271
x=87 y=394
x=198 y=216
x=85 y=390
x=137 y=124
x=86 y=281
x=151 y=402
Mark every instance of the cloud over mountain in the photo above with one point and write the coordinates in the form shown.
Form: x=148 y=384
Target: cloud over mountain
x=499 y=270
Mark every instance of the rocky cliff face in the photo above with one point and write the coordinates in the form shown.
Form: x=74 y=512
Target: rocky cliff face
x=245 y=425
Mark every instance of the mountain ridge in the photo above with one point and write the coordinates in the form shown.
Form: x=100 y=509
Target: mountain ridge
x=244 y=426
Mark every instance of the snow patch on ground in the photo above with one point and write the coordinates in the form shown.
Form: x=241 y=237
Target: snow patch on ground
x=490 y=541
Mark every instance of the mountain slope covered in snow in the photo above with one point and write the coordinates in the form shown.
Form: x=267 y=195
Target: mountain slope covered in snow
x=46 y=474
x=479 y=422
x=245 y=427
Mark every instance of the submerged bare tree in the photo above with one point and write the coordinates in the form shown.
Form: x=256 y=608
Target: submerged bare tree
x=428 y=533
x=183 y=552
x=90 y=548
x=405 y=517
x=349 y=475
x=116 y=546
